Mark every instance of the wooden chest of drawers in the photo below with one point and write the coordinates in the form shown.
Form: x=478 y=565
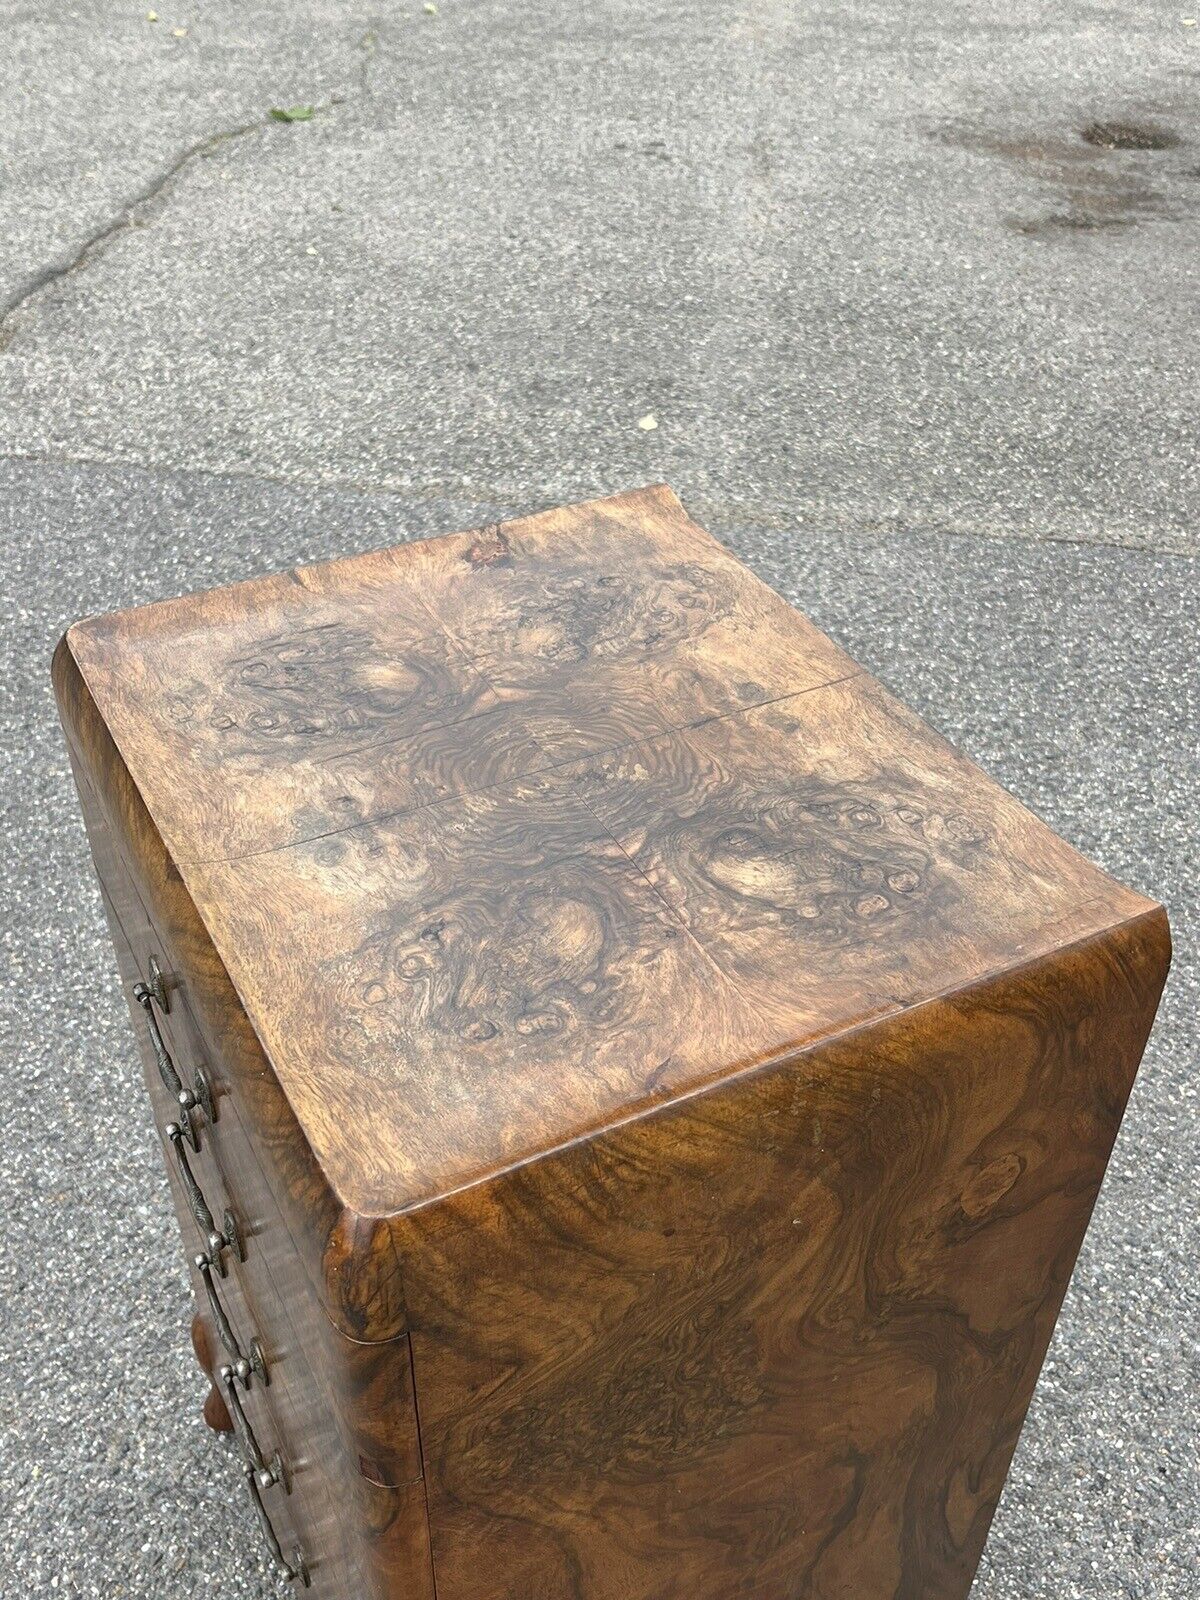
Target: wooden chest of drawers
x=633 y=1094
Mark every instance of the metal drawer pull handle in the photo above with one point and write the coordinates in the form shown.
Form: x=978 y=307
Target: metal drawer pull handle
x=187 y=1099
x=244 y=1369
x=295 y=1571
x=266 y=1473
x=217 y=1242
x=172 y=1082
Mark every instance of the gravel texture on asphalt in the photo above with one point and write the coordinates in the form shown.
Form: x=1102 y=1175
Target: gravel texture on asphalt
x=1067 y=670
x=867 y=267
x=908 y=294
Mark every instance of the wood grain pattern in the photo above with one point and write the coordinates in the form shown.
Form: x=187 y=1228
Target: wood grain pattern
x=487 y=954
x=663 y=1085
x=278 y=709
x=349 y=1260
x=341 y=1413
x=832 y=836
x=491 y=971
x=779 y=1341
x=503 y=972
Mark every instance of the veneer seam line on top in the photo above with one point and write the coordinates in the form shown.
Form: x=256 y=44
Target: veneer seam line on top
x=488 y=788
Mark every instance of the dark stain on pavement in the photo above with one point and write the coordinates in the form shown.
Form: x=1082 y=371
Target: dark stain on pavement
x=656 y=149
x=1096 y=179
x=1129 y=136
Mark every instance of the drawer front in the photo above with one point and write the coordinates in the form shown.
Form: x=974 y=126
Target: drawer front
x=367 y=1387
x=352 y=1431
x=255 y=1362
x=368 y=1404
x=352 y=1497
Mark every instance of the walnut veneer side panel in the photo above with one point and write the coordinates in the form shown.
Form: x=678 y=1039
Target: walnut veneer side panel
x=778 y=1340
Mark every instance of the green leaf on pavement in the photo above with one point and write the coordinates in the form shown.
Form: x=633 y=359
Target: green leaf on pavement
x=292 y=113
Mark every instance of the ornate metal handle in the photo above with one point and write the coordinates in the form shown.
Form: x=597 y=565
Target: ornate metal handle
x=295 y=1570
x=146 y=994
x=244 y=1368
x=216 y=1241
x=267 y=1473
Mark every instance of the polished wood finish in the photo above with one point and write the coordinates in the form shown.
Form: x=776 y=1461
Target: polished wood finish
x=341 y=1413
x=216 y=1413
x=204 y=1343
x=779 y=1341
x=663 y=1086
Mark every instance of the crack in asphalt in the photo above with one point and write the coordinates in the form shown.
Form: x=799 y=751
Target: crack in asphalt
x=368 y=49
x=128 y=216
x=132 y=213
x=490 y=496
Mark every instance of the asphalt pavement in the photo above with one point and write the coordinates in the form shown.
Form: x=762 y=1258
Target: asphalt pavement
x=909 y=296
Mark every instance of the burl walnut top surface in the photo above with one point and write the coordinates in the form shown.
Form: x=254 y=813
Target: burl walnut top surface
x=512 y=834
